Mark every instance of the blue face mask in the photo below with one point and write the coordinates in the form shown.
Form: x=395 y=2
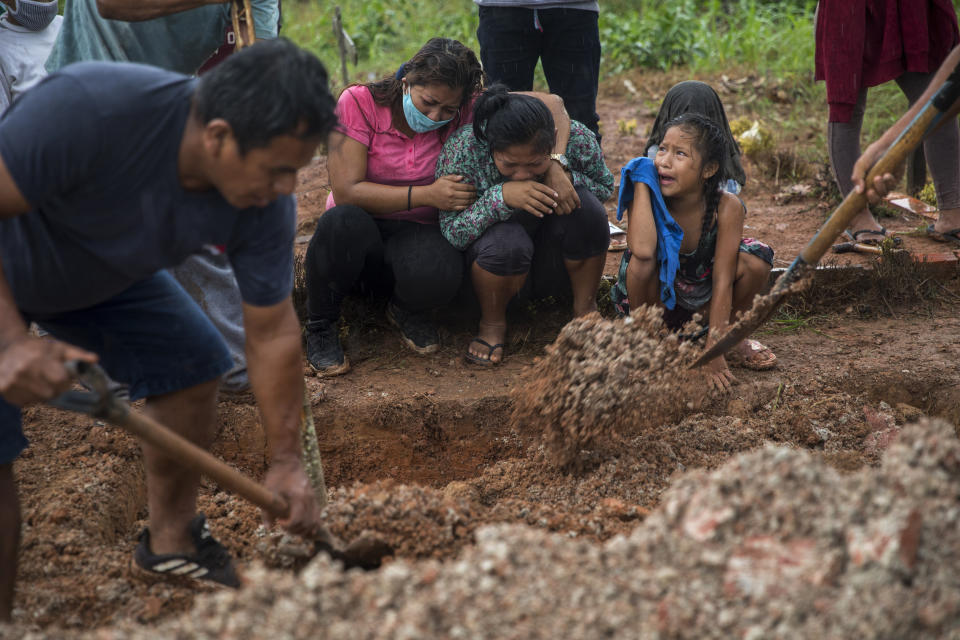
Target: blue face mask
x=417 y=121
x=34 y=15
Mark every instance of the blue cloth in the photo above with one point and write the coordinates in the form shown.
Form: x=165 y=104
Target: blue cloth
x=669 y=233
x=94 y=149
x=152 y=336
x=178 y=42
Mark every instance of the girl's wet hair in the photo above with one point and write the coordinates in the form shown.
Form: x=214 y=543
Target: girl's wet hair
x=711 y=143
x=439 y=61
x=503 y=119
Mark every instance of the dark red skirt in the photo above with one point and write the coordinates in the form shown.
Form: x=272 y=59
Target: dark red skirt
x=863 y=43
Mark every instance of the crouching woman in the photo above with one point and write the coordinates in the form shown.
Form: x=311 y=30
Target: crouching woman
x=515 y=228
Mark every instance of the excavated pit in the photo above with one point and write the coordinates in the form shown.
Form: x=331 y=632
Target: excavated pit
x=426 y=461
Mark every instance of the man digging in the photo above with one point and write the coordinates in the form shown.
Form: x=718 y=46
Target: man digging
x=111 y=173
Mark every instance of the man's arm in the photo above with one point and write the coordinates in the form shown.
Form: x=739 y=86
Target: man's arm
x=12 y=202
x=871 y=154
x=31 y=369
x=275 y=367
x=137 y=10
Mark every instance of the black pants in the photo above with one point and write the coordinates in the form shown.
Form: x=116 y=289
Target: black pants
x=350 y=246
x=567 y=44
x=539 y=246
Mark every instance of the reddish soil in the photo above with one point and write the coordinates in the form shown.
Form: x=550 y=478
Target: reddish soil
x=430 y=443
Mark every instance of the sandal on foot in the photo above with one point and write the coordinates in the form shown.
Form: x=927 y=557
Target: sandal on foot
x=854 y=236
x=944 y=236
x=760 y=358
x=210 y=562
x=483 y=362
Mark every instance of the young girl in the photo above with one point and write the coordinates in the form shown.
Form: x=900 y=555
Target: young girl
x=685 y=249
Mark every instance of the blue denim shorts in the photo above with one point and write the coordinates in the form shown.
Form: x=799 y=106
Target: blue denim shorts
x=152 y=336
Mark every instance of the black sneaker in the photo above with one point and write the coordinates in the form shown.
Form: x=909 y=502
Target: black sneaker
x=417 y=330
x=210 y=562
x=324 y=352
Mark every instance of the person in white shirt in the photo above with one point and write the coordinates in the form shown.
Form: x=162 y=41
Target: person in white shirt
x=28 y=30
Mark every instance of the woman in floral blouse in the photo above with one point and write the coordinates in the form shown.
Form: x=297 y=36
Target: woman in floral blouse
x=515 y=225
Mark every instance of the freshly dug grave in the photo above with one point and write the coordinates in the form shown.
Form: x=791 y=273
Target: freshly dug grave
x=774 y=543
x=422 y=450
x=452 y=464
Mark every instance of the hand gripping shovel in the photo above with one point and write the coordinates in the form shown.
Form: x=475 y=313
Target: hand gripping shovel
x=365 y=552
x=928 y=119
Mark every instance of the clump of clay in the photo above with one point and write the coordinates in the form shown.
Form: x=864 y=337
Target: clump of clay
x=604 y=377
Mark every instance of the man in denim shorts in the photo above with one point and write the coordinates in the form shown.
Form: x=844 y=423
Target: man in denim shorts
x=111 y=173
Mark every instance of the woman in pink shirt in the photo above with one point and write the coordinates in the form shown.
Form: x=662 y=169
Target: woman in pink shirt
x=381 y=224
x=381 y=221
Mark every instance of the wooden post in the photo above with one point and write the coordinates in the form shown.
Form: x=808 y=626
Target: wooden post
x=311 y=451
x=344 y=44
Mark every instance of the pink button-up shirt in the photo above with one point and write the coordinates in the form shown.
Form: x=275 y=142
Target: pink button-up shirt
x=392 y=157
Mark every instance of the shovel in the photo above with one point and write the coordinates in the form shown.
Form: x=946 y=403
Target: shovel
x=930 y=116
x=365 y=552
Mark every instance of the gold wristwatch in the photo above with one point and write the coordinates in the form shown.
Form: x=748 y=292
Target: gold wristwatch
x=562 y=159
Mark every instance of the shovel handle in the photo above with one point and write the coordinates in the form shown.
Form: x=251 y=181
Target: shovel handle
x=101 y=403
x=912 y=136
x=190 y=455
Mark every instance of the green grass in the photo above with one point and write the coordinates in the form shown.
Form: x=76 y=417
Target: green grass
x=385 y=33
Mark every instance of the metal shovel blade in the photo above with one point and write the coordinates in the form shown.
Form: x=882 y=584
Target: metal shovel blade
x=763 y=307
x=366 y=551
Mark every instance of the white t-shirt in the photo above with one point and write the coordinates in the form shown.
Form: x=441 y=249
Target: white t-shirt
x=22 y=55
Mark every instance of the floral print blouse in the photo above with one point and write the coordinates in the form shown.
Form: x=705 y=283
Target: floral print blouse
x=464 y=155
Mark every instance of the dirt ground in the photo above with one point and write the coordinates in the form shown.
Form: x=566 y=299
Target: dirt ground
x=421 y=449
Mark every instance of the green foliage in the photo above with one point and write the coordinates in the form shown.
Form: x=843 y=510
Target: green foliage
x=653 y=34
x=705 y=35
x=385 y=33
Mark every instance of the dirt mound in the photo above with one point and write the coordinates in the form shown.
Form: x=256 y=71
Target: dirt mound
x=417 y=522
x=601 y=377
x=773 y=544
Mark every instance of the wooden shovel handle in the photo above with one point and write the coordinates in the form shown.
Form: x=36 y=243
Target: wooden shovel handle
x=855 y=202
x=189 y=454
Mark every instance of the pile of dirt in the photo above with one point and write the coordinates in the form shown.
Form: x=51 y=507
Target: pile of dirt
x=601 y=377
x=416 y=521
x=773 y=544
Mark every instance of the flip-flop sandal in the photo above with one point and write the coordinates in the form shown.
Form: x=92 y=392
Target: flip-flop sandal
x=761 y=358
x=944 y=236
x=873 y=242
x=483 y=362
x=618 y=238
